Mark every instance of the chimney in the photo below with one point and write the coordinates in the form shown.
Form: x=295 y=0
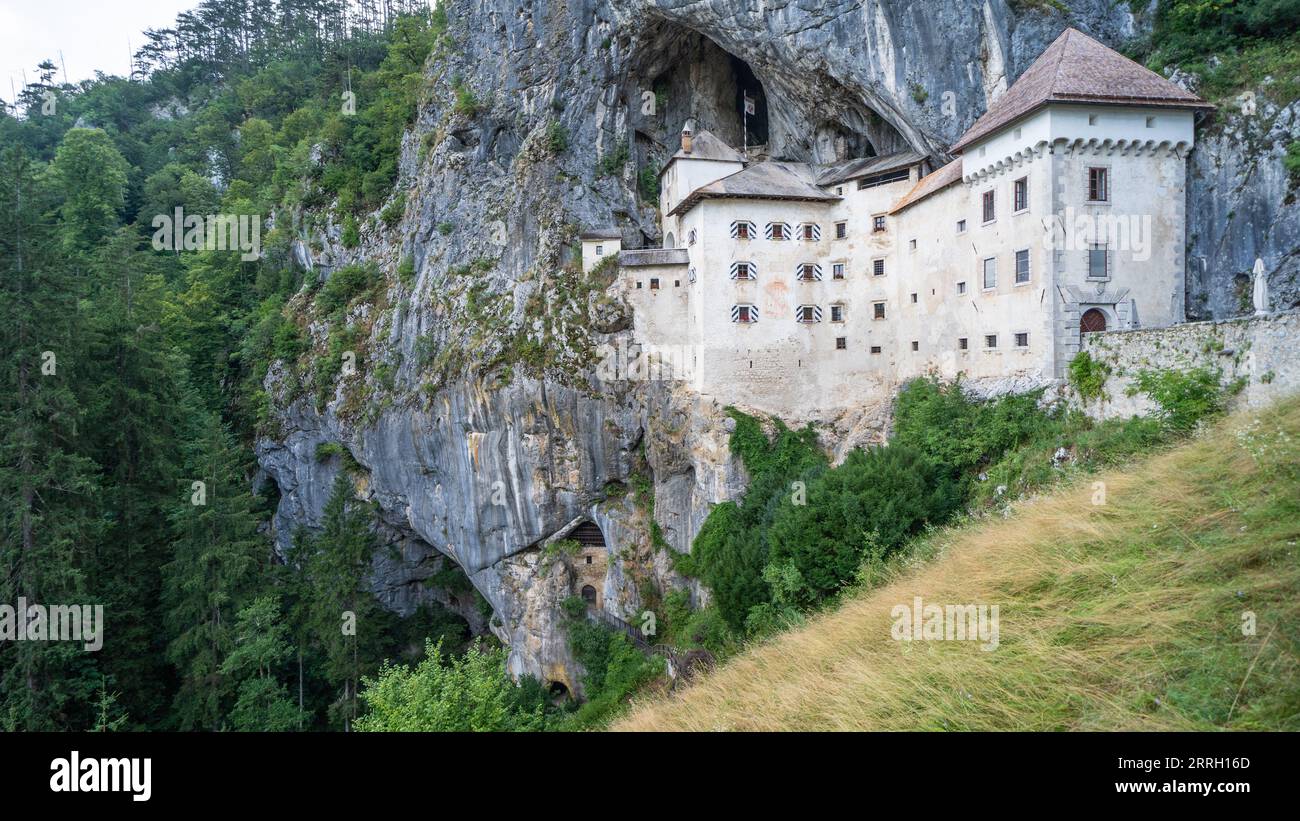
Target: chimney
x=686 y=137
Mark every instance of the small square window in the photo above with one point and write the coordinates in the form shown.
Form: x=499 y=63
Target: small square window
x=1022 y=340
x=742 y=230
x=837 y=313
x=878 y=223
x=807 y=313
x=961 y=226
x=990 y=340
x=778 y=231
x=600 y=250
x=742 y=270
x=912 y=244
x=841 y=230
x=677 y=283
x=913 y=299
x=875 y=349
x=744 y=314
x=638 y=283
x=877 y=267
x=961 y=287
x=654 y=283
x=808 y=272
x=588 y=560
x=878 y=310
x=916 y=345
x=839 y=190
x=809 y=233
x=963 y=343
x=841 y=343
x=837 y=270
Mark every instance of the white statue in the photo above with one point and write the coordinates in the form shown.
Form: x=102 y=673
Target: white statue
x=1261 y=289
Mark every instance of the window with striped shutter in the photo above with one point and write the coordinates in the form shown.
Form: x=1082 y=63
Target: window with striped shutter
x=744 y=313
x=808 y=272
x=810 y=232
x=808 y=314
x=777 y=231
x=744 y=270
x=743 y=229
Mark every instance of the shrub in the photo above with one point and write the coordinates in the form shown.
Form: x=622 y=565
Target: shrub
x=1088 y=376
x=557 y=138
x=351 y=234
x=392 y=213
x=1184 y=398
x=346 y=284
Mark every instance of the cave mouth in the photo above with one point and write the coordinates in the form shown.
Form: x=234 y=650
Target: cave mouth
x=676 y=73
x=558 y=691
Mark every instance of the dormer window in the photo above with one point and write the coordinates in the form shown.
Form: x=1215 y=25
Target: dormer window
x=778 y=231
x=742 y=229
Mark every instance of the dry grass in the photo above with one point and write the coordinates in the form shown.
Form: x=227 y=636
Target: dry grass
x=1126 y=615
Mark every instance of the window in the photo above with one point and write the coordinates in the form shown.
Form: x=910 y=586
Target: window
x=690 y=238
x=877 y=267
x=638 y=283
x=1092 y=119
x=913 y=299
x=916 y=345
x=677 y=283
x=1151 y=122
x=963 y=343
x=837 y=270
x=912 y=244
x=778 y=231
x=809 y=272
x=961 y=287
x=878 y=223
x=961 y=226
x=1021 y=192
x=875 y=349
x=841 y=343
x=808 y=314
x=744 y=313
x=600 y=250
x=990 y=340
x=742 y=229
x=1098 y=262
x=990 y=212
x=900 y=175
x=841 y=230
x=743 y=271
x=878 y=310
x=1022 y=340
x=1022 y=266
x=990 y=273
x=588 y=561
x=1017 y=134
x=837 y=313
x=839 y=190
x=654 y=283
x=1098 y=185
x=810 y=232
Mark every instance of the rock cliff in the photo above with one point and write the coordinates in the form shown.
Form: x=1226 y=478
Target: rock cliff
x=474 y=419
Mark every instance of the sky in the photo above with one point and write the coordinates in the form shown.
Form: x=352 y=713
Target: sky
x=92 y=34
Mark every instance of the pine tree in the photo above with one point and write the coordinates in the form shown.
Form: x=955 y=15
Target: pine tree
x=261 y=647
x=218 y=555
x=46 y=487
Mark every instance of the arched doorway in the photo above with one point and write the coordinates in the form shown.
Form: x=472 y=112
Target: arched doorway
x=669 y=242
x=589 y=595
x=1093 y=320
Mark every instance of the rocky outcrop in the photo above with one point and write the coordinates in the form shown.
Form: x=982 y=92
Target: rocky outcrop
x=474 y=417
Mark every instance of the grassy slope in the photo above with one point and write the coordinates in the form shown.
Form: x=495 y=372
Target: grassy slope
x=1126 y=615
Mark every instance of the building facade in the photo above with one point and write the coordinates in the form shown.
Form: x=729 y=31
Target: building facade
x=804 y=290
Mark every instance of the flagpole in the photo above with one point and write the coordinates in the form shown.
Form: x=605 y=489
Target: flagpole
x=744 y=128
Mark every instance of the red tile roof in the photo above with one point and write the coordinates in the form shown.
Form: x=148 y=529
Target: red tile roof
x=1077 y=69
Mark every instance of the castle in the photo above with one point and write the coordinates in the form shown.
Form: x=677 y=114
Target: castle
x=804 y=290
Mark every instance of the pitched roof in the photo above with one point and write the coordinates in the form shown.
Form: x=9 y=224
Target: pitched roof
x=771 y=180
x=705 y=146
x=931 y=183
x=602 y=233
x=865 y=166
x=1077 y=69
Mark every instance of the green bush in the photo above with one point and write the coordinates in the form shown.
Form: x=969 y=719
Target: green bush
x=392 y=213
x=557 y=138
x=1184 y=398
x=1088 y=376
x=351 y=233
x=345 y=285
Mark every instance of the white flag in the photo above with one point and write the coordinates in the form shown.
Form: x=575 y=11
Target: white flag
x=749 y=103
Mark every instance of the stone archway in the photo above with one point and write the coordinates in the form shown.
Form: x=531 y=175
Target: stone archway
x=589 y=595
x=1092 y=321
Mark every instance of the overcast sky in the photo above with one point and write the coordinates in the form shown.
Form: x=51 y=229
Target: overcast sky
x=93 y=35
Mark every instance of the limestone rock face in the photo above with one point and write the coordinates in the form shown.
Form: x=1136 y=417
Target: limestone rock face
x=475 y=422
